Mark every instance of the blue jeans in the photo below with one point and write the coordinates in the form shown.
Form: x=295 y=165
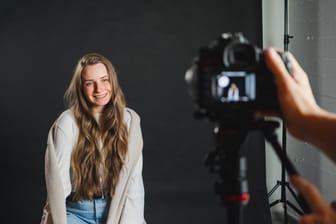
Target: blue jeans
x=87 y=212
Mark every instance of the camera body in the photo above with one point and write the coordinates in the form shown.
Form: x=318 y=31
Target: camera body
x=229 y=81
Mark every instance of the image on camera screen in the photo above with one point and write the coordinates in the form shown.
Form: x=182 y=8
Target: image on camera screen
x=234 y=86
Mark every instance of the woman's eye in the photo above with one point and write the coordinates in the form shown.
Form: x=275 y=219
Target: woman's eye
x=88 y=84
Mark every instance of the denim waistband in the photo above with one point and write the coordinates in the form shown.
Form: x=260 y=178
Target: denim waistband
x=89 y=204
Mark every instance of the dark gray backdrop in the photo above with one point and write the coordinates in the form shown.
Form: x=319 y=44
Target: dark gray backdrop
x=151 y=43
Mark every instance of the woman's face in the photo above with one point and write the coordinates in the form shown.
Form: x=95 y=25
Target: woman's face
x=97 y=86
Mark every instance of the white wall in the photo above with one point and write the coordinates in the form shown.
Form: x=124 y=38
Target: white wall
x=313 y=25
x=273 y=32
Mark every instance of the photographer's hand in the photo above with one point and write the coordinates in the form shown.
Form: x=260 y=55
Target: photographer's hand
x=303 y=118
x=322 y=213
x=295 y=96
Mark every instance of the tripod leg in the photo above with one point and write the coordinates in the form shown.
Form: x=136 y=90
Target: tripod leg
x=274 y=203
x=274 y=189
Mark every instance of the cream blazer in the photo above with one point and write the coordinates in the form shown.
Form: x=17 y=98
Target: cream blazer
x=54 y=211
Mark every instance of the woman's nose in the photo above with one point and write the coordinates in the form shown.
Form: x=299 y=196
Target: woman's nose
x=98 y=87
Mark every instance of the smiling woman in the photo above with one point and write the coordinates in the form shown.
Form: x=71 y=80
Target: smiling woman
x=94 y=153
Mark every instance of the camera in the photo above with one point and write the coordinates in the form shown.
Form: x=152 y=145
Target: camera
x=229 y=81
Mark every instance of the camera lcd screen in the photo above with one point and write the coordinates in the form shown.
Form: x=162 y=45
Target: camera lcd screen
x=234 y=86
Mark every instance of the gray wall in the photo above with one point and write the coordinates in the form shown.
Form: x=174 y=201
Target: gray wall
x=273 y=32
x=314 y=45
x=312 y=23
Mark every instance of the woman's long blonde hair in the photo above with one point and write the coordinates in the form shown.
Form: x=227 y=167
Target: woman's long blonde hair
x=110 y=131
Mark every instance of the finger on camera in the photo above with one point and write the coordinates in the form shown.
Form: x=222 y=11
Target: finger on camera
x=277 y=67
x=297 y=72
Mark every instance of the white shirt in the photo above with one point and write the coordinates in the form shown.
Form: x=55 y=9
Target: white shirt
x=65 y=139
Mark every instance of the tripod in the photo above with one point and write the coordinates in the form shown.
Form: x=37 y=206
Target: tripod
x=283 y=184
x=227 y=161
x=231 y=166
